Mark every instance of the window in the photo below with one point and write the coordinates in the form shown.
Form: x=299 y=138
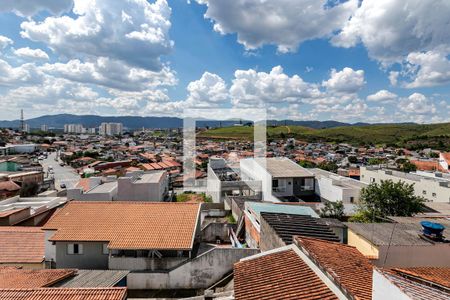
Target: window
x=434 y=194
x=74 y=249
x=352 y=199
x=275 y=183
x=105 y=249
x=424 y=192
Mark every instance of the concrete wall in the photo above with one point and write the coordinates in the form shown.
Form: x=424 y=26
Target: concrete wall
x=77 y=194
x=437 y=255
x=142 y=191
x=199 y=273
x=144 y=263
x=213 y=186
x=269 y=239
x=326 y=188
x=92 y=257
x=363 y=246
x=213 y=231
x=252 y=170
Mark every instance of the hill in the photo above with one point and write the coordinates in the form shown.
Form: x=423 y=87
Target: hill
x=135 y=122
x=413 y=136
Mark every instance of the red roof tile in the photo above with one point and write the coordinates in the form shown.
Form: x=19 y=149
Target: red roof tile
x=64 y=294
x=349 y=268
x=127 y=225
x=13 y=278
x=279 y=275
x=440 y=276
x=21 y=244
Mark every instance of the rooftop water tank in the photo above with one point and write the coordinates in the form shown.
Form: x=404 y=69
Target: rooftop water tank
x=432 y=229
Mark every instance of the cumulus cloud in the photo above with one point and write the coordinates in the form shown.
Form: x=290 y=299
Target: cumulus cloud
x=433 y=68
x=27 y=52
x=393 y=77
x=417 y=104
x=382 y=96
x=26 y=74
x=390 y=30
x=283 y=23
x=112 y=73
x=5 y=42
x=258 y=88
x=345 y=81
x=26 y=8
x=209 y=90
x=135 y=31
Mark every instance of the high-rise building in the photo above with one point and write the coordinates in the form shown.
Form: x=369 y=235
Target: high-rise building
x=44 y=128
x=111 y=129
x=73 y=128
x=26 y=128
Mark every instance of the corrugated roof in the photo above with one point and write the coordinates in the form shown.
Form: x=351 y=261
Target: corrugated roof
x=94 y=278
x=288 y=225
x=279 y=275
x=127 y=225
x=21 y=244
x=64 y=294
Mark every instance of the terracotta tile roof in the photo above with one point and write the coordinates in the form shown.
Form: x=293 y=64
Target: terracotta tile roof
x=279 y=275
x=9 y=186
x=64 y=294
x=83 y=183
x=13 y=278
x=349 y=268
x=415 y=290
x=440 y=276
x=21 y=244
x=127 y=225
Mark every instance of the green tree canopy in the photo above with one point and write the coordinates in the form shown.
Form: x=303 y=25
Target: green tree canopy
x=332 y=210
x=378 y=201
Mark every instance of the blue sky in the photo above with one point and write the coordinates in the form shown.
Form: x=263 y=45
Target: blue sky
x=352 y=61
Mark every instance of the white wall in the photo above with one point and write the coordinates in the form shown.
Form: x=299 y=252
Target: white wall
x=383 y=289
x=250 y=169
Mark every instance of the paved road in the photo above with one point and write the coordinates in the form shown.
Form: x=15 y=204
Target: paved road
x=66 y=174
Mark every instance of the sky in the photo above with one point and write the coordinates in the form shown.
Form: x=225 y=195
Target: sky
x=345 y=60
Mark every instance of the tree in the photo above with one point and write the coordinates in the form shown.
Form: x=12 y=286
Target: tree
x=328 y=166
x=352 y=159
x=407 y=167
x=332 y=210
x=375 y=161
x=307 y=164
x=378 y=201
x=29 y=189
x=434 y=155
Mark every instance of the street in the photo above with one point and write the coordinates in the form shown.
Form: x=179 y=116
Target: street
x=64 y=174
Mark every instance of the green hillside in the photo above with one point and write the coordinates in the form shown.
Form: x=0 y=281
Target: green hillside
x=412 y=136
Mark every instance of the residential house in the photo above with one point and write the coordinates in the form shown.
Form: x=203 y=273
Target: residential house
x=140 y=186
x=22 y=247
x=64 y=293
x=308 y=269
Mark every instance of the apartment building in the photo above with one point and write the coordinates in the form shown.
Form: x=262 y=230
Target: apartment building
x=111 y=129
x=434 y=188
x=73 y=128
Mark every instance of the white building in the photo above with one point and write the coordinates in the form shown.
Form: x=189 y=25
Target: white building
x=280 y=177
x=138 y=186
x=332 y=187
x=444 y=161
x=111 y=129
x=433 y=188
x=73 y=128
x=26 y=128
x=44 y=128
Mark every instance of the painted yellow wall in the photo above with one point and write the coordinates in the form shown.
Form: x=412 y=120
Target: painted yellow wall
x=363 y=245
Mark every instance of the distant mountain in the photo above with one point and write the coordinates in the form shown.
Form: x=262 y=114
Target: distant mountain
x=135 y=122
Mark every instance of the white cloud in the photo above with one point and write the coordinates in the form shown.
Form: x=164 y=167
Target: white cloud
x=433 y=68
x=112 y=73
x=27 y=52
x=417 y=104
x=259 y=88
x=26 y=74
x=28 y=8
x=284 y=23
x=393 y=77
x=345 y=81
x=209 y=90
x=5 y=41
x=391 y=30
x=99 y=29
x=382 y=96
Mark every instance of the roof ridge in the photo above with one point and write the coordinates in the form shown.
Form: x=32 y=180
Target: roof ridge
x=302 y=237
